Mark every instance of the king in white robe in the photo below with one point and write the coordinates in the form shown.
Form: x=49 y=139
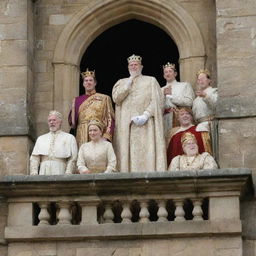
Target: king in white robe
x=139 y=148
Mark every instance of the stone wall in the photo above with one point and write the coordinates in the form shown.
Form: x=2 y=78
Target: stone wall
x=149 y=247
x=236 y=60
x=16 y=73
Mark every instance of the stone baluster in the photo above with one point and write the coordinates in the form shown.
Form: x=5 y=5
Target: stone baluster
x=144 y=213
x=89 y=212
x=162 y=212
x=44 y=215
x=126 y=214
x=179 y=212
x=108 y=214
x=197 y=211
x=64 y=215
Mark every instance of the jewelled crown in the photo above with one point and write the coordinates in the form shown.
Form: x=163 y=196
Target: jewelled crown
x=203 y=71
x=187 y=137
x=169 y=65
x=97 y=123
x=88 y=73
x=134 y=58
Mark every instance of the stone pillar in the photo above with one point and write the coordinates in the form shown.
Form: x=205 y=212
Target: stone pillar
x=65 y=75
x=16 y=81
x=24 y=216
x=221 y=208
x=236 y=59
x=189 y=67
x=3 y=221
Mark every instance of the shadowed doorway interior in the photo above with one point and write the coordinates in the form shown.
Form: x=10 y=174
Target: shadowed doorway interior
x=108 y=53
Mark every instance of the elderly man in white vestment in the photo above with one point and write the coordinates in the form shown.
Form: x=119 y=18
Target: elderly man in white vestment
x=176 y=95
x=54 y=152
x=138 y=139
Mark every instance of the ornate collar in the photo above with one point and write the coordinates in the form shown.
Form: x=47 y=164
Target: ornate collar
x=90 y=93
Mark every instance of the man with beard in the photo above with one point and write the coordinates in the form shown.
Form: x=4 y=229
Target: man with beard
x=138 y=139
x=54 y=152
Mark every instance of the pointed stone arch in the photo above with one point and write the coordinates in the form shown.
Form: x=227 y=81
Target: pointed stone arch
x=98 y=16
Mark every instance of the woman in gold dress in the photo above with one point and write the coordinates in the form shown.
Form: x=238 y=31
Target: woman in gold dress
x=96 y=156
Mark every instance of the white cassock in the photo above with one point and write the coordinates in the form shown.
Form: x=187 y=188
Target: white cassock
x=98 y=157
x=182 y=96
x=139 y=148
x=202 y=161
x=55 y=153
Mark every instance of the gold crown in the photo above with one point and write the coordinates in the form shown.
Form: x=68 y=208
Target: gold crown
x=170 y=65
x=97 y=123
x=188 y=136
x=88 y=73
x=203 y=71
x=134 y=58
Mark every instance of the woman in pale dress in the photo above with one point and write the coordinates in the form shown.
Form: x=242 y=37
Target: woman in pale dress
x=191 y=160
x=96 y=156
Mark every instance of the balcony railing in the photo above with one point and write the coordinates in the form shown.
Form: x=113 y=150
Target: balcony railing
x=155 y=204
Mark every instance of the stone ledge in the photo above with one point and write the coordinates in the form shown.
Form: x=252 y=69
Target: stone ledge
x=224 y=180
x=121 y=231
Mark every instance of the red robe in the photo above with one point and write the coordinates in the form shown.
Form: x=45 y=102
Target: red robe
x=175 y=146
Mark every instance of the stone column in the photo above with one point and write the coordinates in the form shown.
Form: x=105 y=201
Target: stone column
x=3 y=222
x=16 y=81
x=66 y=87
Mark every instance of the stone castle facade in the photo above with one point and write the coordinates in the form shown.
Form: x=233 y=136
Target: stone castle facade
x=41 y=45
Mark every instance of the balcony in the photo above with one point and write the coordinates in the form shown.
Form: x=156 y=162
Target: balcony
x=125 y=206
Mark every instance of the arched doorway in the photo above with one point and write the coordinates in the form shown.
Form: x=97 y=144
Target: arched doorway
x=95 y=18
x=108 y=53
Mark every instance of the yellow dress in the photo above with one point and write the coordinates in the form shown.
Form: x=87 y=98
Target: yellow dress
x=98 y=157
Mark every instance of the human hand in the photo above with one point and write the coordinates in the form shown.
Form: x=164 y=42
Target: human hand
x=200 y=93
x=167 y=91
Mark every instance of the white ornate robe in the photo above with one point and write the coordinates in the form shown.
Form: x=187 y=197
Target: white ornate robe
x=97 y=157
x=204 y=107
x=202 y=161
x=55 y=153
x=139 y=148
x=182 y=96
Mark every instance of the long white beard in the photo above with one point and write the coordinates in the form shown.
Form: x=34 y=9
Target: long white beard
x=135 y=73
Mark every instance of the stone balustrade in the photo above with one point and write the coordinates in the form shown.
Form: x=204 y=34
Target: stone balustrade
x=155 y=204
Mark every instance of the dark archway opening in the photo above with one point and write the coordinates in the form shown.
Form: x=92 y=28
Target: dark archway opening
x=108 y=53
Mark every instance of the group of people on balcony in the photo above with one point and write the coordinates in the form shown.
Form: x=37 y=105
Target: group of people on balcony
x=151 y=129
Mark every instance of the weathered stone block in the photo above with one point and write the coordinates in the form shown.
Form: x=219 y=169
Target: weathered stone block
x=13 y=31
x=59 y=19
x=224 y=208
x=13 y=52
x=14 y=155
x=24 y=218
x=14 y=78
